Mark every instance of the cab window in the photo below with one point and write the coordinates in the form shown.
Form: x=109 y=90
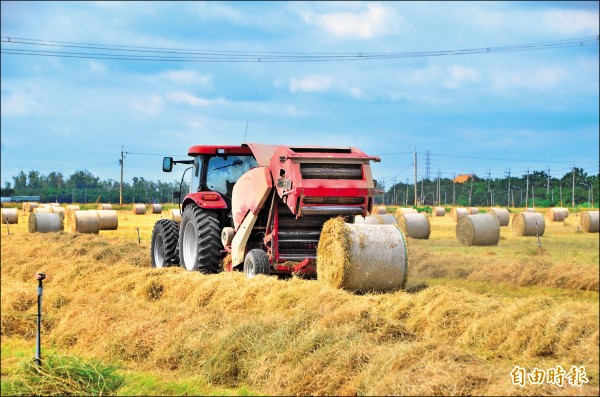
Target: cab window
x=222 y=173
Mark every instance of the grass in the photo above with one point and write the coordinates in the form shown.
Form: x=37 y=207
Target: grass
x=462 y=335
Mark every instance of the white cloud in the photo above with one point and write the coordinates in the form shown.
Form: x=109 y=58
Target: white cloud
x=188 y=77
x=376 y=21
x=150 y=105
x=187 y=98
x=542 y=77
x=572 y=21
x=20 y=104
x=458 y=75
x=314 y=83
x=96 y=67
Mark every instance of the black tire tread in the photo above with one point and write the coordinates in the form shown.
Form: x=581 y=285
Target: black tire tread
x=209 y=242
x=169 y=229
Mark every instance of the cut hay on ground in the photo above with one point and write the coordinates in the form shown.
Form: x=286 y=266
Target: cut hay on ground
x=416 y=226
x=589 y=221
x=45 y=222
x=84 y=222
x=479 y=229
x=105 y=206
x=457 y=213
x=375 y=219
x=438 y=211
x=555 y=214
x=362 y=258
x=10 y=215
x=139 y=209
x=501 y=214
x=156 y=208
x=176 y=215
x=528 y=224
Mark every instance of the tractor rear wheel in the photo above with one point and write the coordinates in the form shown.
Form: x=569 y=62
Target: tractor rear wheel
x=200 y=240
x=256 y=262
x=164 y=248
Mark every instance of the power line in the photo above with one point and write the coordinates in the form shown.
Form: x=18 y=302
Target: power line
x=162 y=54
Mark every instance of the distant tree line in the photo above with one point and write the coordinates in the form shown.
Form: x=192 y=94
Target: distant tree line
x=84 y=187
x=481 y=192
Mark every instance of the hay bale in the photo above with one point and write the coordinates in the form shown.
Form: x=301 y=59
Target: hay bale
x=438 y=211
x=401 y=211
x=156 y=208
x=104 y=207
x=84 y=222
x=362 y=258
x=72 y=208
x=529 y=209
x=555 y=214
x=45 y=222
x=10 y=215
x=107 y=219
x=457 y=213
x=54 y=205
x=416 y=226
x=525 y=224
x=381 y=210
x=502 y=214
x=139 y=209
x=565 y=211
x=473 y=210
x=589 y=221
x=58 y=210
x=40 y=210
x=387 y=219
x=176 y=215
x=30 y=206
x=478 y=229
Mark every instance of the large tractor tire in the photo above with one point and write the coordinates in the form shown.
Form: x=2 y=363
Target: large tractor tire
x=164 y=247
x=256 y=262
x=200 y=240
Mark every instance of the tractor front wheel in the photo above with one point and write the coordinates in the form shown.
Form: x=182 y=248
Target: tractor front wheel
x=164 y=247
x=256 y=262
x=200 y=240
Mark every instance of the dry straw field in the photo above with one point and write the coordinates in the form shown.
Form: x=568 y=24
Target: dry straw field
x=485 y=310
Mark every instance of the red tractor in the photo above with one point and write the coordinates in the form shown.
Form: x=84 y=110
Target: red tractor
x=260 y=208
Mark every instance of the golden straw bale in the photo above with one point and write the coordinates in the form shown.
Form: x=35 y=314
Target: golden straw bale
x=105 y=207
x=438 y=211
x=479 y=229
x=473 y=210
x=156 y=208
x=529 y=209
x=176 y=215
x=376 y=219
x=502 y=214
x=589 y=221
x=29 y=206
x=362 y=258
x=555 y=214
x=457 y=213
x=381 y=210
x=10 y=215
x=139 y=209
x=528 y=224
x=416 y=226
x=108 y=219
x=400 y=211
x=84 y=222
x=40 y=210
x=45 y=222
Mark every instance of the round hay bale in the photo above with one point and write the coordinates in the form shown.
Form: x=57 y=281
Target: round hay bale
x=555 y=214
x=386 y=219
x=362 y=258
x=54 y=205
x=381 y=210
x=589 y=221
x=502 y=214
x=401 y=211
x=416 y=226
x=58 y=210
x=156 y=208
x=529 y=209
x=30 y=206
x=457 y=213
x=10 y=215
x=438 y=211
x=525 y=224
x=45 y=223
x=473 y=210
x=139 y=209
x=105 y=207
x=108 y=220
x=478 y=229
x=84 y=222
x=176 y=215
x=565 y=211
x=72 y=208
x=40 y=210
x=44 y=205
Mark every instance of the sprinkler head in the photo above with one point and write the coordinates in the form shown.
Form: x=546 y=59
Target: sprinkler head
x=40 y=276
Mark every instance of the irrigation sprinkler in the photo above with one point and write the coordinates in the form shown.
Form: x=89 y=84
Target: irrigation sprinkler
x=138 y=232
x=38 y=345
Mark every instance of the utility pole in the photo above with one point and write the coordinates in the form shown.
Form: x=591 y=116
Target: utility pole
x=121 y=185
x=508 y=192
x=439 y=190
x=454 y=189
x=471 y=188
x=394 y=182
x=487 y=198
x=548 y=184
x=573 y=193
x=527 y=189
x=406 y=197
x=415 y=161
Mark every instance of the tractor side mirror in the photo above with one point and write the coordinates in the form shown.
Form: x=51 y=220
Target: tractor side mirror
x=167 y=164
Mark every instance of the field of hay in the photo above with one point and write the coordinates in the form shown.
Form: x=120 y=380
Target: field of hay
x=485 y=311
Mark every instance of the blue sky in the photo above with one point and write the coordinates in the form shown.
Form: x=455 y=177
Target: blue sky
x=474 y=113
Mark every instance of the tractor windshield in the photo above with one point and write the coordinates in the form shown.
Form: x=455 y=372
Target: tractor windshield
x=221 y=173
